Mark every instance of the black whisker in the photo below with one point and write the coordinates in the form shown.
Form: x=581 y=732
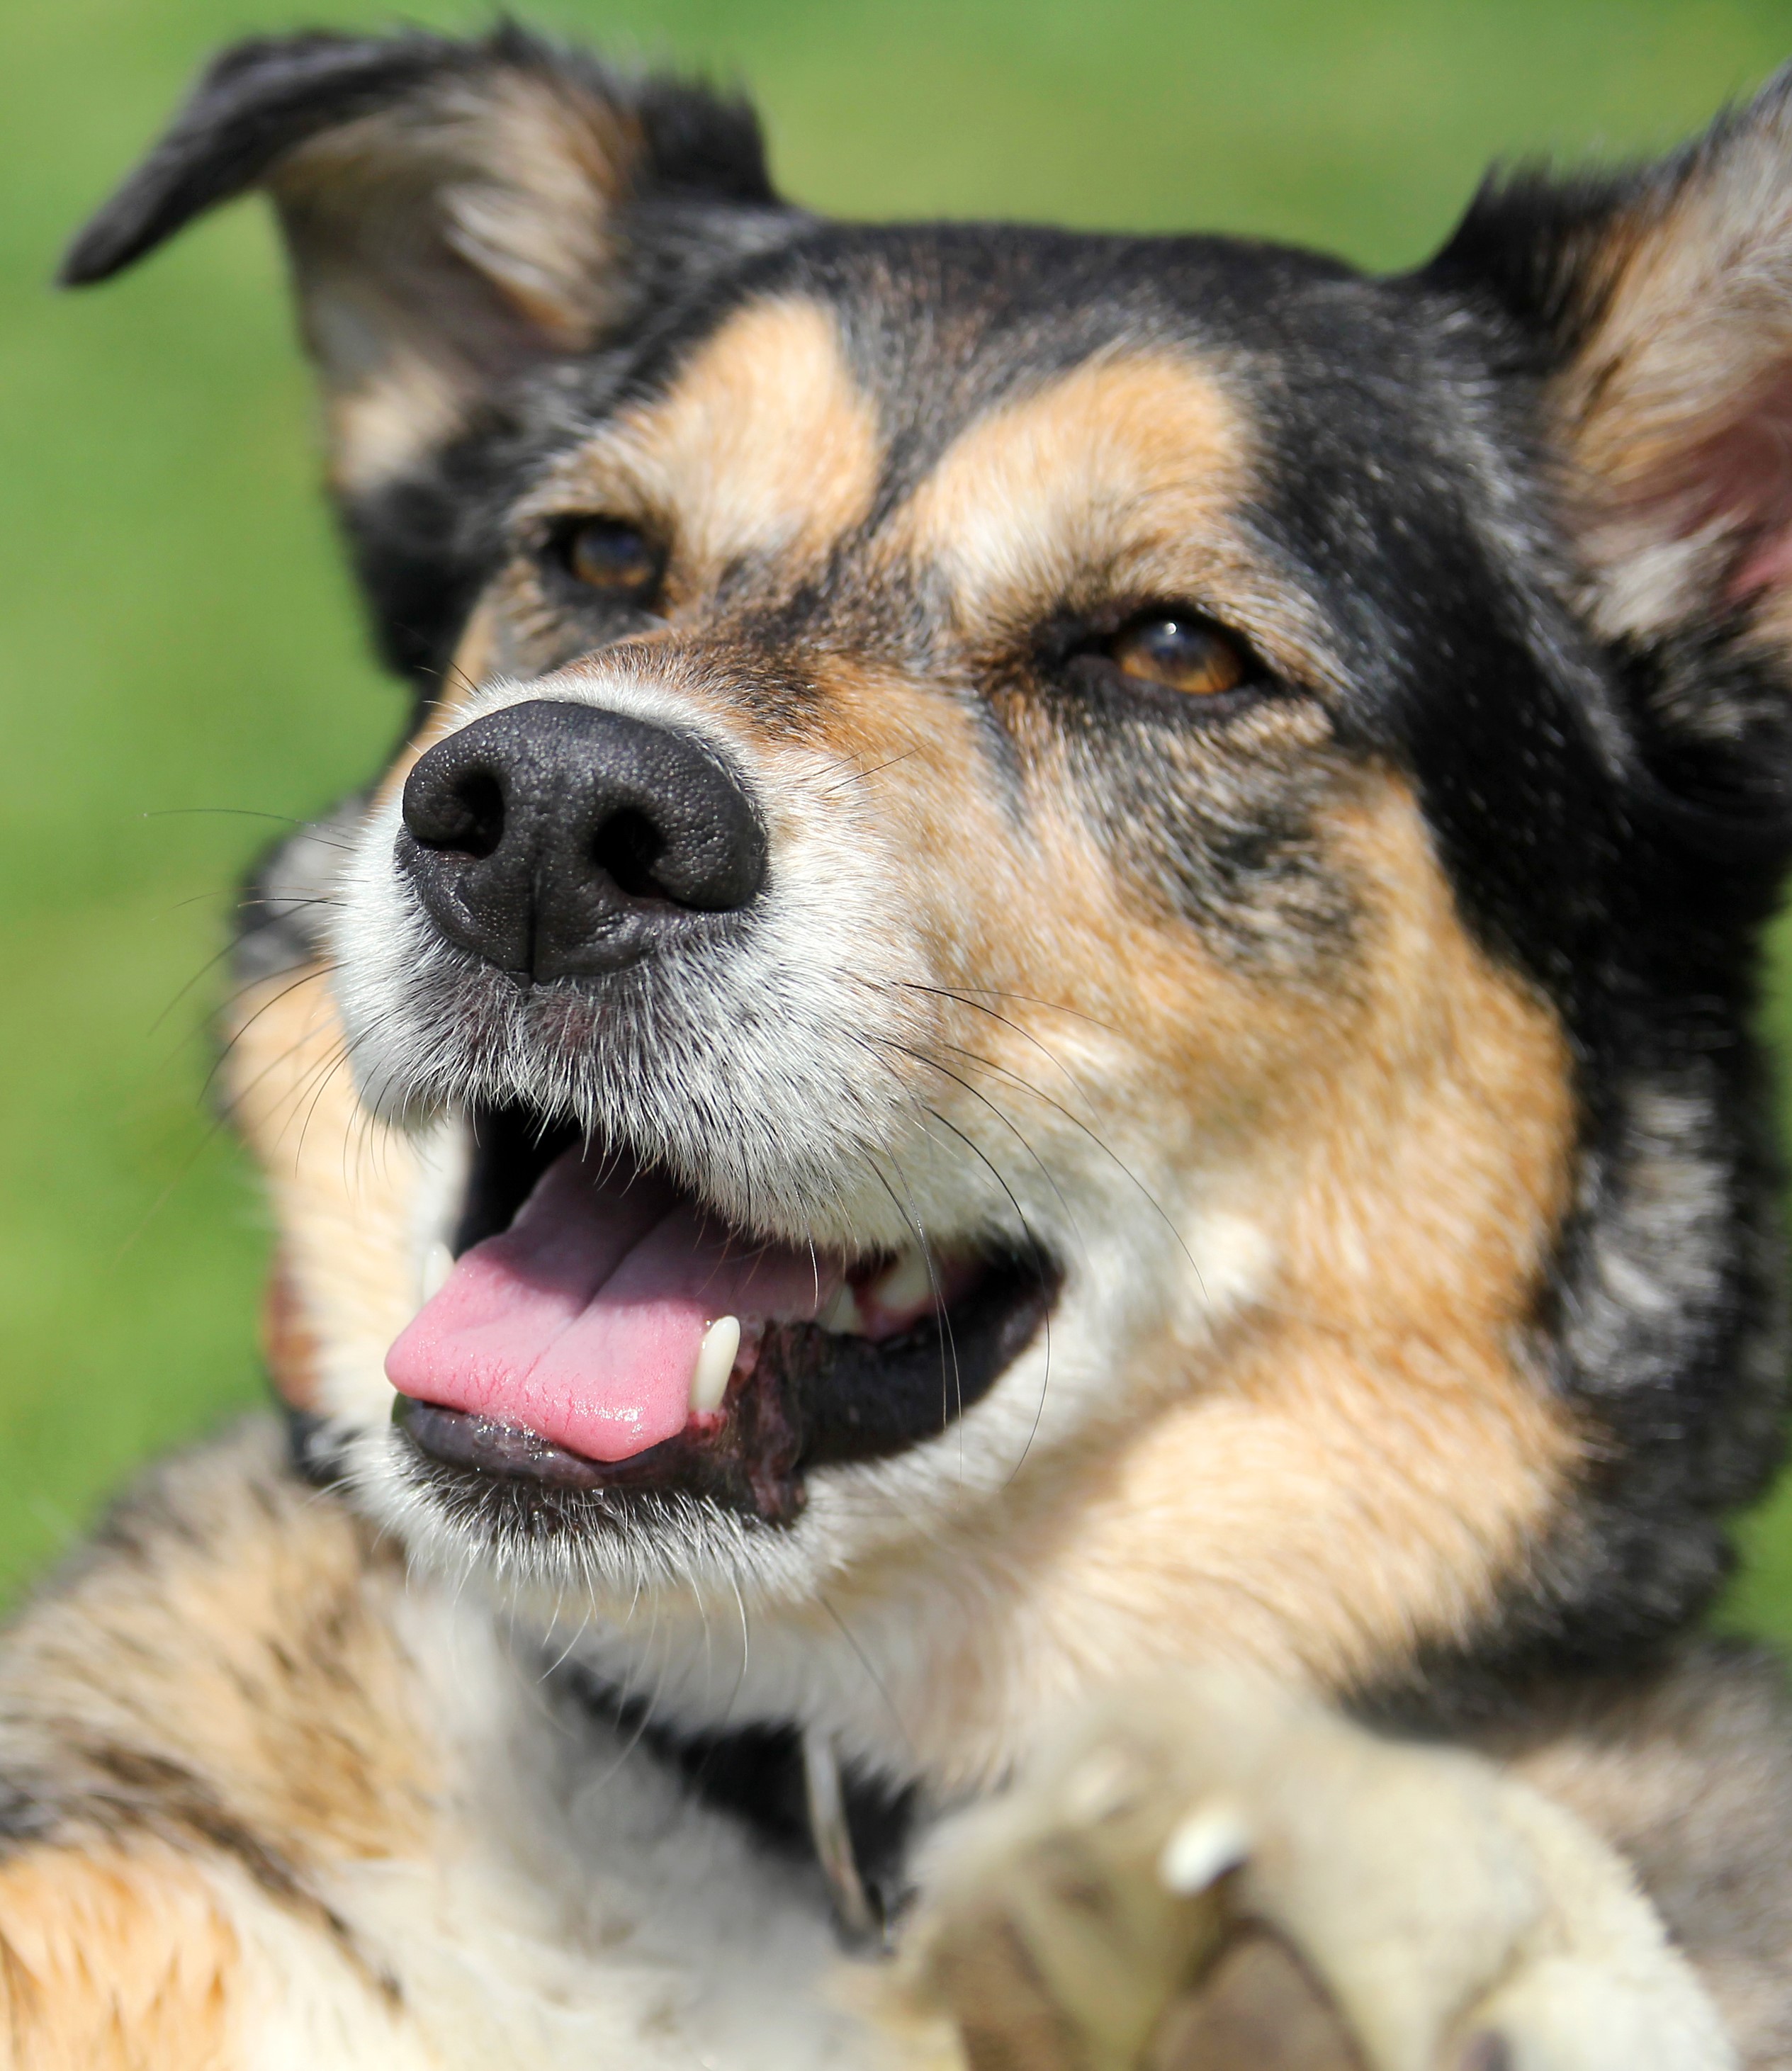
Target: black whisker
x=859 y=776
x=244 y=813
x=1026 y=1035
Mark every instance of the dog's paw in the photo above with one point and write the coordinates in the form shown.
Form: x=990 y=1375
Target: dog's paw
x=1211 y=1873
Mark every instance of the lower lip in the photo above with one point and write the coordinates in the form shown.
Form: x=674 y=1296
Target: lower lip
x=814 y=1399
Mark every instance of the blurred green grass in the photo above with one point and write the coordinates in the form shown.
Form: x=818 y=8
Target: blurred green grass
x=179 y=654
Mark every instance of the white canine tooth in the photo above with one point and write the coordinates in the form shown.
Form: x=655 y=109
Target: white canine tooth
x=438 y=1262
x=904 y=1283
x=840 y=1312
x=709 y=1378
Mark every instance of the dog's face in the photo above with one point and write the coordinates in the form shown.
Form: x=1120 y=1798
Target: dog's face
x=904 y=825
x=978 y=984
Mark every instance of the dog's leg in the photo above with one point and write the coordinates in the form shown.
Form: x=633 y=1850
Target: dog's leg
x=134 y=1956
x=210 y=1729
x=1317 y=1895
x=111 y=1960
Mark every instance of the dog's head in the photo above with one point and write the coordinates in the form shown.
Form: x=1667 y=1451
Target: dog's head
x=1060 y=956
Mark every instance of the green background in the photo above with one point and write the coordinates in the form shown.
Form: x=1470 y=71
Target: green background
x=179 y=654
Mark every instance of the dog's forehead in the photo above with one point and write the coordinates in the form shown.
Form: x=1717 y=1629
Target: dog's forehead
x=1019 y=410
x=976 y=416
x=770 y=422
x=945 y=323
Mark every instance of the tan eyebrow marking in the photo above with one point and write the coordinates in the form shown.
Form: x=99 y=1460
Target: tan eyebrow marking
x=766 y=444
x=1137 y=456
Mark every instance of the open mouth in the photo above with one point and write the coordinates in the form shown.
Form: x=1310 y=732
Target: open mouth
x=601 y=1330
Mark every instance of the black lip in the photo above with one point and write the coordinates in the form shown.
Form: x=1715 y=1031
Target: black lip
x=815 y=1398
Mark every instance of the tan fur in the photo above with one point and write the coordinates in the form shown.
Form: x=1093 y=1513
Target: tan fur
x=377 y=428
x=514 y=177
x=118 y=1960
x=220 y=1723
x=474 y=661
x=262 y=1666
x=554 y=164
x=1367 y=1455
x=291 y=1350
x=1117 y=479
x=1689 y=317
x=344 y=1186
x=765 y=446
x=1692 y=298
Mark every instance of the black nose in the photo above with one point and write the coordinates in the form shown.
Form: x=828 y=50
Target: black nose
x=556 y=839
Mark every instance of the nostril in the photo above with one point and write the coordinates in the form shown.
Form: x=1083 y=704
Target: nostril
x=464 y=817
x=627 y=848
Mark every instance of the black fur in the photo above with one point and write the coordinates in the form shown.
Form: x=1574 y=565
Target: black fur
x=755 y=1774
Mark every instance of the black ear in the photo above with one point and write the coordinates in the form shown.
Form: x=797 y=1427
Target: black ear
x=1662 y=300
x=455 y=213
x=1658 y=303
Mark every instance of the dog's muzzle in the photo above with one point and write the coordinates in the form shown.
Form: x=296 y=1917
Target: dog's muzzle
x=598 y=1329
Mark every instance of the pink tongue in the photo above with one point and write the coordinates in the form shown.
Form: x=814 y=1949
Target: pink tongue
x=582 y=1321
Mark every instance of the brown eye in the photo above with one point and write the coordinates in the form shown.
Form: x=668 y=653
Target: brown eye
x=610 y=557
x=1178 y=653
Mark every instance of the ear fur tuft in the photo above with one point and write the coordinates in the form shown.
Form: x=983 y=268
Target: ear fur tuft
x=455 y=213
x=1660 y=304
x=253 y=104
x=264 y=97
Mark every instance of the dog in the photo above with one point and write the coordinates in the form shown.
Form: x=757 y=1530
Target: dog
x=1027 y=1244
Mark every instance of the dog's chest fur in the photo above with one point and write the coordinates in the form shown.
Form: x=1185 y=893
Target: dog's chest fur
x=574 y=1903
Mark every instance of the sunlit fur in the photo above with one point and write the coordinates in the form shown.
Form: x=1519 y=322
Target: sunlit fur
x=1363 y=1052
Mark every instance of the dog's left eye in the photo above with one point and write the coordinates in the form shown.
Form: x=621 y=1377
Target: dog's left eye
x=1178 y=651
x=608 y=556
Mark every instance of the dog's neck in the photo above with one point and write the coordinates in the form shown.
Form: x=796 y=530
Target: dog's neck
x=786 y=1783
x=789 y=1787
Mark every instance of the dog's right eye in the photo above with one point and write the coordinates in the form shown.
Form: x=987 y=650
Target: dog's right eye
x=614 y=559
x=1178 y=651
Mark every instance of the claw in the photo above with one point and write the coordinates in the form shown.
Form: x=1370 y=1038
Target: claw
x=1204 y=1848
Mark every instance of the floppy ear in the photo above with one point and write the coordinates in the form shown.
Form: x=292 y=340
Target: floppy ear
x=455 y=213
